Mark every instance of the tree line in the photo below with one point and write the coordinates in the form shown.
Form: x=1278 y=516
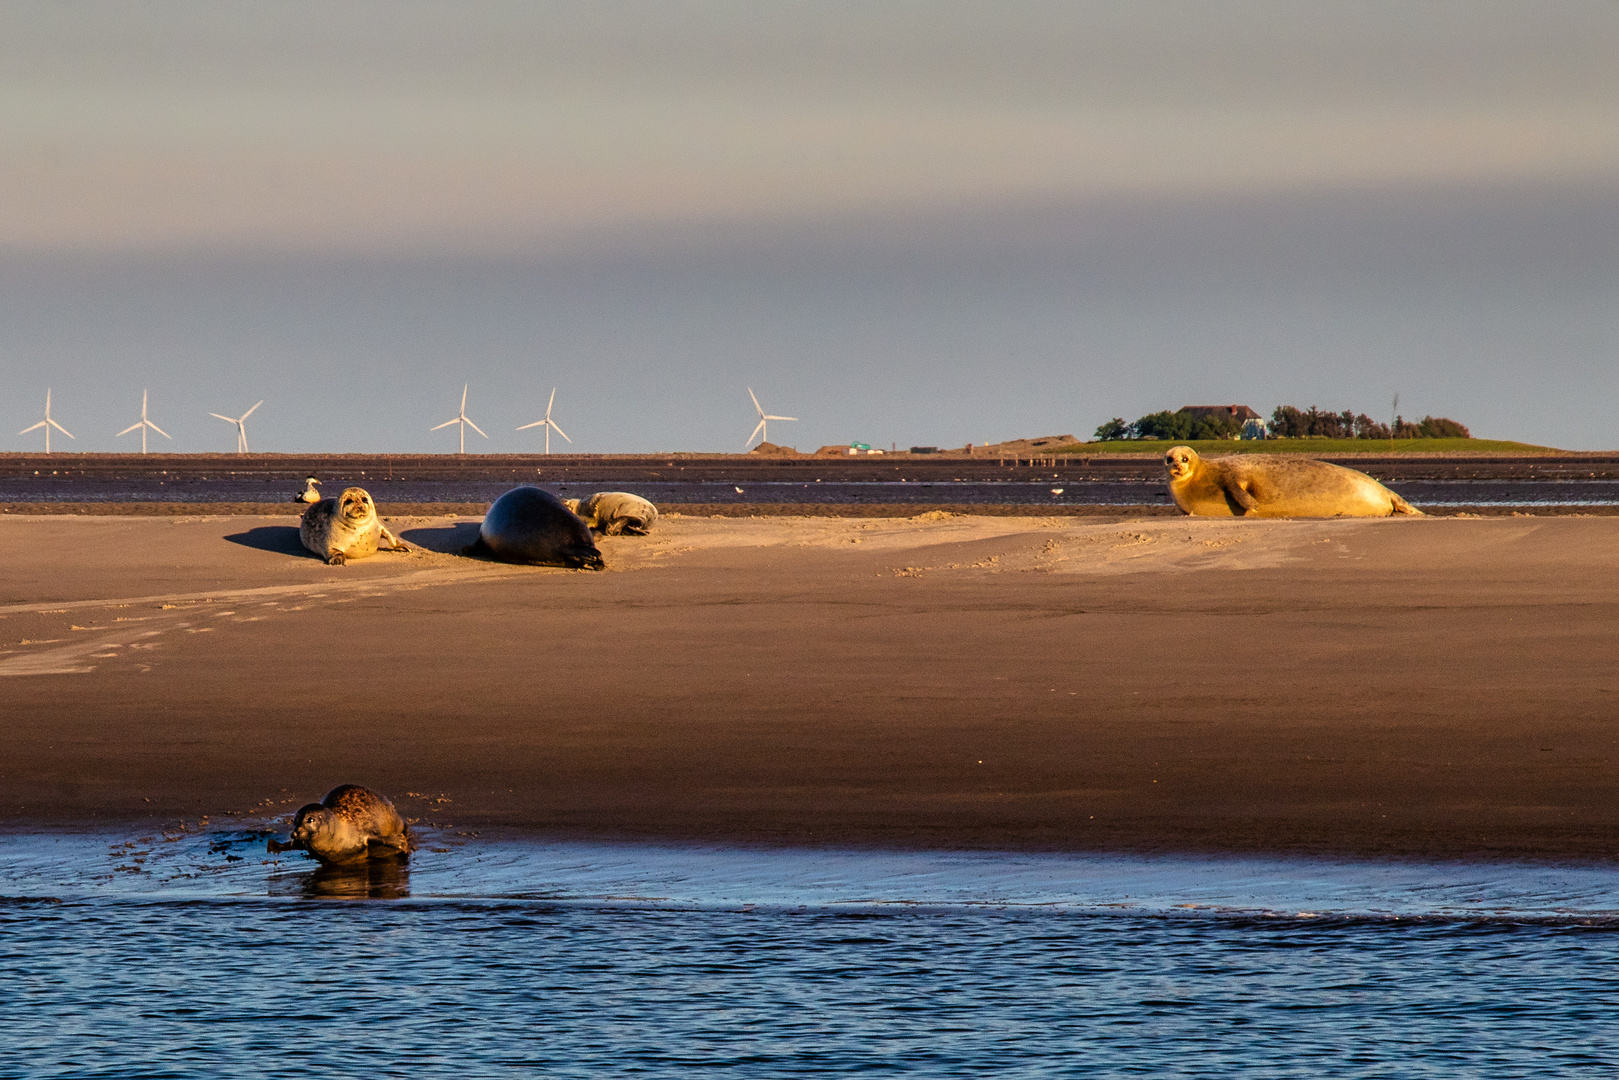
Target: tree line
x=1286 y=422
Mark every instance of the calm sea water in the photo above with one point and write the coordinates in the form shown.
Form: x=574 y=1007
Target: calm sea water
x=196 y=954
x=1057 y=491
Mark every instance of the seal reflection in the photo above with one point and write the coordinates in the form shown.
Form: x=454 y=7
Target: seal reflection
x=369 y=879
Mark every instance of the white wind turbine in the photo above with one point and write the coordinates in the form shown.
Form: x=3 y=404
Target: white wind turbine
x=144 y=424
x=548 y=424
x=241 y=427
x=47 y=424
x=461 y=418
x=762 y=431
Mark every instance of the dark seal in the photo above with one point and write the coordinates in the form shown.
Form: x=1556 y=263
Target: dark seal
x=527 y=525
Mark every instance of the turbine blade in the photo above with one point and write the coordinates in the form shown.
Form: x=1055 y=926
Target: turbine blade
x=446 y=424
x=559 y=431
x=131 y=427
x=552 y=402
x=464 y=398
x=537 y=423
x=758 y=407
x=36 y=427
x=157 y=429
x=781 y=418
x=60 y=428
x=476 y=428
x=227 y=419
x=250 y=411
x=756 y=431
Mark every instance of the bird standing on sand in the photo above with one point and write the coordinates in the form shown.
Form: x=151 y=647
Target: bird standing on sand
x=308 y=494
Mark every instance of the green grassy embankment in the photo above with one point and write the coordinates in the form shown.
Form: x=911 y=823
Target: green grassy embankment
x=1315 y=447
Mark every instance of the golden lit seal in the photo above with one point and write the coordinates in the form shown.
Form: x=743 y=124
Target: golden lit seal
x=350 y=824
x=345 y=528
x=614 y=512
x=1275 y=485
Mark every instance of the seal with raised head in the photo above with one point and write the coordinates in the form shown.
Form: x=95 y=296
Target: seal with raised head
x=345 y=528
x=614 y=512
x=529 y=525
x=1275 y=485
x=349 y=824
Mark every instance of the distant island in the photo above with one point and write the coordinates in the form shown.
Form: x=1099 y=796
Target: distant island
x=1213 y=422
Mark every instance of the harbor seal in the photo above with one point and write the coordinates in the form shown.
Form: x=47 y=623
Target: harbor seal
x=351 y=823
x=1280 y=485
x=345 y=528
x=528 y=525
x=614 y=512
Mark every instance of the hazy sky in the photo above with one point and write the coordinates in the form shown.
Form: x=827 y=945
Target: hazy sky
x=911 y=222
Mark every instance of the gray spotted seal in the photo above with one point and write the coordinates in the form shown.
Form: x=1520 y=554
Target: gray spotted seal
x=1275 y=485
x=349 y=824
x=614 y=512
x=345 y=528
x=528 y=525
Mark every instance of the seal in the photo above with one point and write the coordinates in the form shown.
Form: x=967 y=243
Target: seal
x=345 y=528
x=351 y=823
x=528 y=525
x=614 y=512
x=1275 y=485
x=308 y=494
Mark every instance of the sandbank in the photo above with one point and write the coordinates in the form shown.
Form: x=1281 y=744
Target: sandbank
x=1424 y=687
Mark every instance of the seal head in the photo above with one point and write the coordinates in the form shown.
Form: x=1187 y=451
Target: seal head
x=530 y=525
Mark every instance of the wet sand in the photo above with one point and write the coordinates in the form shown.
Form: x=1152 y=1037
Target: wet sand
x=1432 y=687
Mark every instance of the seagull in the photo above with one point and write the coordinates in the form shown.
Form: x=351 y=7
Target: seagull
x=1056 y=491
x=738 y=490
x=308 y=494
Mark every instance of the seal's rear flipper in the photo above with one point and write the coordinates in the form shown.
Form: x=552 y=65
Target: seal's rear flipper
x=1403 y=507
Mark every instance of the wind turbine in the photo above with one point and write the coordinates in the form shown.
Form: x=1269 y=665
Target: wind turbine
x=548 y=424
x=47 y=424
x=461 y=418
x=762 y=431
x=144 y=424
x=241 y=427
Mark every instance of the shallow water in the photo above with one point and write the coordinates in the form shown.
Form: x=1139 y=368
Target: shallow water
x=157 y=955
x=1008 y=492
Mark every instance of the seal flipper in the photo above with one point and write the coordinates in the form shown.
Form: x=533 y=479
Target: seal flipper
x=1235 y=493
x=394 y=543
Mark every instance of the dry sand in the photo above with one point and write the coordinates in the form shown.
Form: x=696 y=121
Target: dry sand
x=1427 y=687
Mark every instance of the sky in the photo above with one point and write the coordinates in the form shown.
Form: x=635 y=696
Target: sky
x=903 y=223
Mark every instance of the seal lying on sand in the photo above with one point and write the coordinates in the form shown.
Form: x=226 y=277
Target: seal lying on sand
x=527 y=525
x=613 y=512
x=1275 y=485
x=345 y=528
x=350 y=824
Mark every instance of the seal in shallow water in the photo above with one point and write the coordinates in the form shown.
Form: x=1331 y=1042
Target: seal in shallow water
x=345 y=528
x=1275 y=485
x=528 y=525
x=349 y=824
x=613 y=512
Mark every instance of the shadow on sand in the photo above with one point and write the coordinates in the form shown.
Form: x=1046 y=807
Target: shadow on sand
x=444 y=539
x=371 y=879
x=281 y=539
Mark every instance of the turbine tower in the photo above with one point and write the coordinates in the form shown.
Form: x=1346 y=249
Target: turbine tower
x=47 y=424
x=241 y=427
x=762 y=431
x=461 y=418
x=548 y=424
x=144 y=424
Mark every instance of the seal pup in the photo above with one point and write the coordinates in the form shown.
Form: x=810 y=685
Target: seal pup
x=1279 y=485
x=308 y=494
x=345 y=528
x=528 y=525
x=612 y=513
x=351 y=823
